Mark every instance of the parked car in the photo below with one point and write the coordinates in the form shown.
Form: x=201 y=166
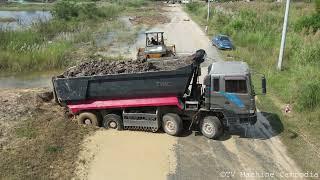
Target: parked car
x=222 y=42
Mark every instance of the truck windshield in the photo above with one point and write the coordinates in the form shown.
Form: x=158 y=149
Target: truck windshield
x=236 y=86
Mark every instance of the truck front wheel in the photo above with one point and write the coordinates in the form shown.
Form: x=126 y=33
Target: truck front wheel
x=172 y=124
x=112 y=121
x=88 y=118
x=211 y=127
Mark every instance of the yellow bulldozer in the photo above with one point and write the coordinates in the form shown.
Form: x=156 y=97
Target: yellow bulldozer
x=155 y=47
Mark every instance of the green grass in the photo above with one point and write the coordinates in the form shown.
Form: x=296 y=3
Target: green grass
x=255 y=29
x=29 y=51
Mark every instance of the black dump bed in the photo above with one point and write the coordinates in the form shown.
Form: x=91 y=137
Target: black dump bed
x=172 y=81
x=145 y=84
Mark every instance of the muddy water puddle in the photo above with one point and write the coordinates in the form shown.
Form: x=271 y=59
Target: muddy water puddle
x=27 y=80
x=13 y=20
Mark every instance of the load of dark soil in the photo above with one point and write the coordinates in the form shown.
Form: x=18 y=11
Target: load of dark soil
x=104 y=67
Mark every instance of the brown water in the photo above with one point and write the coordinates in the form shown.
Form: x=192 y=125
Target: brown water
x=27 y=80
x=23 y=19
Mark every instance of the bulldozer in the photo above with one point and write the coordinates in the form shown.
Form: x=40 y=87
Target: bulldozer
x=155 y=47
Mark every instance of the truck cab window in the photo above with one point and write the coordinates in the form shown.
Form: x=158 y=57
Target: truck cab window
x=236 y=86
x=216 y=86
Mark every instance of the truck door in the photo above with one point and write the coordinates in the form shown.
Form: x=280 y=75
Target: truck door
x=235 y=90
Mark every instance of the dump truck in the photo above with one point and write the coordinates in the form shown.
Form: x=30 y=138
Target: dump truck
x=169 y=99
x=155 y=47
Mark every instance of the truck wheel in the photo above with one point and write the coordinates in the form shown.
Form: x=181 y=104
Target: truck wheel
x=112 y=121
x=211 y=127
x=88 y=118
x=172 y=124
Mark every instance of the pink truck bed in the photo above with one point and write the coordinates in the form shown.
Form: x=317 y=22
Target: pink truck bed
x=124 y=103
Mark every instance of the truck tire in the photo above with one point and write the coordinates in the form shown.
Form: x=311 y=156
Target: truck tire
x=211 y=127
x=88 y=118
x=172 y=124
x=112 y=121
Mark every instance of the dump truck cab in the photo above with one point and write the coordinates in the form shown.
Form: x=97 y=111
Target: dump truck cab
x=229 y=89
x=155 y=46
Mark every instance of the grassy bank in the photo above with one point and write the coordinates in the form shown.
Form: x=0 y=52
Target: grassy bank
x=48 y=45
x=255 y=28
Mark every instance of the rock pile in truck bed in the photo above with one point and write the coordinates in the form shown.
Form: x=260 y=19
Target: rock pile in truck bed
x=104 y=67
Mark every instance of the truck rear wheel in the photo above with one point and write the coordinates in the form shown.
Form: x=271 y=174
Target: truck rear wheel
x=172 y=124
x=88 y=118
x=211 y=127
x=112 y=121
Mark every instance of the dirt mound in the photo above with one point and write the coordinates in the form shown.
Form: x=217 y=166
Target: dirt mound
x=103 y=67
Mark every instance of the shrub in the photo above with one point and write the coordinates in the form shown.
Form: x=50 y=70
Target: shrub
x=68 y=10
x=308 y=22
x=65 y=10
x=309 y=97
x=309 y=54
x=194 y=6
x=317 y=4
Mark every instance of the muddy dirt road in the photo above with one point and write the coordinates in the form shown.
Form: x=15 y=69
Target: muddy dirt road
x=140 y=155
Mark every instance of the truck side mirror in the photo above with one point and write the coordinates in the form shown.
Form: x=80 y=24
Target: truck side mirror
x=264 y=85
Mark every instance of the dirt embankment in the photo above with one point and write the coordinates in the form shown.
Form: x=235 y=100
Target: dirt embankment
x=36 y=141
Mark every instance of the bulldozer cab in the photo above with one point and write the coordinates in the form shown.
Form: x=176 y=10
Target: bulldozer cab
x=154 y=39
x=155 y=47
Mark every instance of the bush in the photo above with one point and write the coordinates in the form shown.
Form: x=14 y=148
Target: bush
x=68 y=10
x=317 y=4
x=65 y=10
x=308 y=22
x=309 y=54
x=309 y=96
x=194 y=6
